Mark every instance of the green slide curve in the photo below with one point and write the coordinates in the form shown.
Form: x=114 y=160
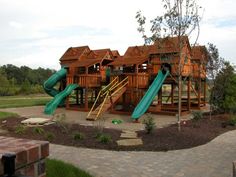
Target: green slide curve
x=52 y=105
x=52 y=81
x=152 y=91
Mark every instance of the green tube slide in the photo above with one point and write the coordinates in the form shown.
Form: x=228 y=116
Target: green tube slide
x=53 y=104
x=59 y=97
x=52 y=81
x=152 y=91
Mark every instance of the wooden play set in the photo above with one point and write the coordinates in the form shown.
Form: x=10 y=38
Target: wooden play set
x=108 y=81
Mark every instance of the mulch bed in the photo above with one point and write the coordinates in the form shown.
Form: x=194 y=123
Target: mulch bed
x=163 y=139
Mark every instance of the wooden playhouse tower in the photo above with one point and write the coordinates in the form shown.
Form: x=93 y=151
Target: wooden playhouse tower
x=110 y=81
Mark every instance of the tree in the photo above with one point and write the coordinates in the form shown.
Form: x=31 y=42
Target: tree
x=229 y=104
x=214 y=65
x=181 y=18
x=223 y=92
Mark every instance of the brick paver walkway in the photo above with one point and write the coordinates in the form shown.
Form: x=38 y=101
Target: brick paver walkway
x=210 y=160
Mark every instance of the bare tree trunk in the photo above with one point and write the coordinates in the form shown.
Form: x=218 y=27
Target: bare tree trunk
x=179 y=101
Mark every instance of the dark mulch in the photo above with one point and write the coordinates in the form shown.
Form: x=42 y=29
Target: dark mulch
x=192 y=134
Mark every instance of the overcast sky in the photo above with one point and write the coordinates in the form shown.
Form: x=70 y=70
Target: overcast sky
x=36 y=33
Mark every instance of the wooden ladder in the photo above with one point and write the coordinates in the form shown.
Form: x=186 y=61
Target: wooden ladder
x=111 y=94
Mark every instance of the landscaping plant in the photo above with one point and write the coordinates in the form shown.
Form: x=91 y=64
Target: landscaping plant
x=49 y=136
x=20 y=129
x=197 y=115
x=38 y=130
x=78 y=136
x=104 y=138
x=149 y=124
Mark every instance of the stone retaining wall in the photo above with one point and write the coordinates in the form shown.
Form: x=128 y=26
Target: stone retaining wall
x=30 y=155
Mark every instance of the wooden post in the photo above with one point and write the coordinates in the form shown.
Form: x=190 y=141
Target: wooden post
x=82 y=96
x=86 y=90
x=189 y=95
x=172 y=94
x=160 y=97
x=205 y=86
x=86 y=99
x=67 y=102
x=199 y=94
x=77 y=96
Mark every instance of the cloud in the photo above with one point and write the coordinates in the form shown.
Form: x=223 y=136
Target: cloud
x=37 y=33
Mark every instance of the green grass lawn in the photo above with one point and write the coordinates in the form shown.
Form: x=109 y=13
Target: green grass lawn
x=4 y=115
x=23 y=101
x=56 y=168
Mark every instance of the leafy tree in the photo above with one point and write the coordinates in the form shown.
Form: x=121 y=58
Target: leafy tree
x=213 y=66
x=22 y=79
x=230 y=96
x=181 y=18
x=223 y=93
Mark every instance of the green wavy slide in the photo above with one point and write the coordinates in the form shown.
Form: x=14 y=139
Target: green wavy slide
x=152 y=91
x=59 y=97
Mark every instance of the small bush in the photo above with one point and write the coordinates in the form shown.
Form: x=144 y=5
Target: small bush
x=197 y=115
x=149 y=124
x=78 y=136
x=98 y=134
x=104 y=138
x=60 y=122
x=38 y=130
x=20 y=129
x=49 y=136
x=232 y=121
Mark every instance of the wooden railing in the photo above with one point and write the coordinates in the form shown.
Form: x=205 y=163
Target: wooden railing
x=89 y=80
x=140 y=80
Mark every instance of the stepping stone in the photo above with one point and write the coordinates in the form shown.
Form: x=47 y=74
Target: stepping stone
x=130 y=142
x=3 y=131
x=129 y=135
x=36 y=121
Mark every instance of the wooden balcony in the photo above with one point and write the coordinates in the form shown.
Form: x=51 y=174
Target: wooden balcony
x=85 y=80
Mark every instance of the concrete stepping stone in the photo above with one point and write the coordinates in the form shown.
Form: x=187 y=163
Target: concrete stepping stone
x=36 y=121
x=129 y=135
x=130 y=142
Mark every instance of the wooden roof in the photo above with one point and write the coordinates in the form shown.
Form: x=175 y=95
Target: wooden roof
x=115 y=53
x=199 y=53
x=74 y=53
x=92 y=57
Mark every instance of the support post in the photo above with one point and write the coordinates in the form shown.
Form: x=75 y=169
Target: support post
x=172 y=94
x=189 y=95
x=205 y=86
x=199 y=93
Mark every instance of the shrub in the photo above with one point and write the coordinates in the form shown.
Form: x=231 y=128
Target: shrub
x=232 y=121
x=197 y=115
x=149 y=124
x=20 y=129
x=78 y=136
x=104 y=138
x=38 y=130
x=49 y=136
x=60 y=122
